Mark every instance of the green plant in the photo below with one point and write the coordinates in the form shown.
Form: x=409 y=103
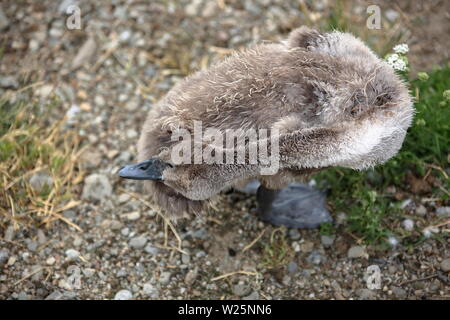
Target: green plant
x=31 y=144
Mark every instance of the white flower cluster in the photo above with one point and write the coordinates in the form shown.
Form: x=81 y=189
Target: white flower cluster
x=401 y=48
x=396 y=62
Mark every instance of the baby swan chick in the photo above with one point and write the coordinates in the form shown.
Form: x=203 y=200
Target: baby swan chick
x=328 y=99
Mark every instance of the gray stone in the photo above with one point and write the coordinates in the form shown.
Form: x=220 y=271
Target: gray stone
x=4 y=21
x=151 y=250
x=443 y=211
x=398 y=292
x=41 y=180
x=116 y=225
x=37 y=272
x=85 y=53
x=445 y=265
x=150 y=71
x=366 y=294
x=124 y=197
x=133 y=216
x=132 y=105
x=292 y=267
x=408 y=224
x=356 y=252
x=341 y=218
x=9 y=82
x=55 y=295
x=241 y=290
x=23 y=296
x=72 y=254
x=123 y=295
x=200 y=234
x=193 y=7
x=138 y=242
x=99 y=100
x=4 y=255
x=9 y=233
x=125 y=157
x=91 y=158
x=405 y=203
x=211 y=8
x=96 y=187
x=327 y=241
x=32 y=245
x=185 y=258
x=41 y=238
x=252 y=296
x=315 y=257
x=150 y=290
x=191 y=276
x=421 y=210
x=165 y=278
x=56 y=32
x=125 y=36
x=122 y=273
x=252 y=7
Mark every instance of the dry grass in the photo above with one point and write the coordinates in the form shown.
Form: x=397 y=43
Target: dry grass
x=277 y=251
x=30 y=143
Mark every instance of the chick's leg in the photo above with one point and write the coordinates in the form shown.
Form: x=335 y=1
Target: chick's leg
x=295 y=206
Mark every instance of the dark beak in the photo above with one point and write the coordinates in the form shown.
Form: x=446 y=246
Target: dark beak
x=148 y=170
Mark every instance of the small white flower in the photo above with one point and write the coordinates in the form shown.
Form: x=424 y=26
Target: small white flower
x=393 y=58
x=401 y=48
x=396 y=62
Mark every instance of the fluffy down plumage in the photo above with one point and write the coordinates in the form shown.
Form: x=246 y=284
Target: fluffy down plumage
x=334 y=101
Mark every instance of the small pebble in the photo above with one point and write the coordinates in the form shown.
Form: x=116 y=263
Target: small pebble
x=292 y=267
x=356 y=252
x=151 y=250
x=9 y=233
x=72 y=254
x=241 y=290
x=421 y=210
x=165 y=278
x=191 y=276
x=138 y=242
x=445 y=265
x=50 y=261
x=123 y=295
x=315 y=257
x=408 y=224
x=327 y=241
x=150 y=290
x=252 y=296
x=443 y=211
x=366 y=294
x=133 y=216
x=398 y=292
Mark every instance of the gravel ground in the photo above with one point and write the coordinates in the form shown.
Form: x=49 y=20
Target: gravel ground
x=108 y=74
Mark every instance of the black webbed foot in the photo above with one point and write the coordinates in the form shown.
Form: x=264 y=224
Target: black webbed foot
x=296 y=206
